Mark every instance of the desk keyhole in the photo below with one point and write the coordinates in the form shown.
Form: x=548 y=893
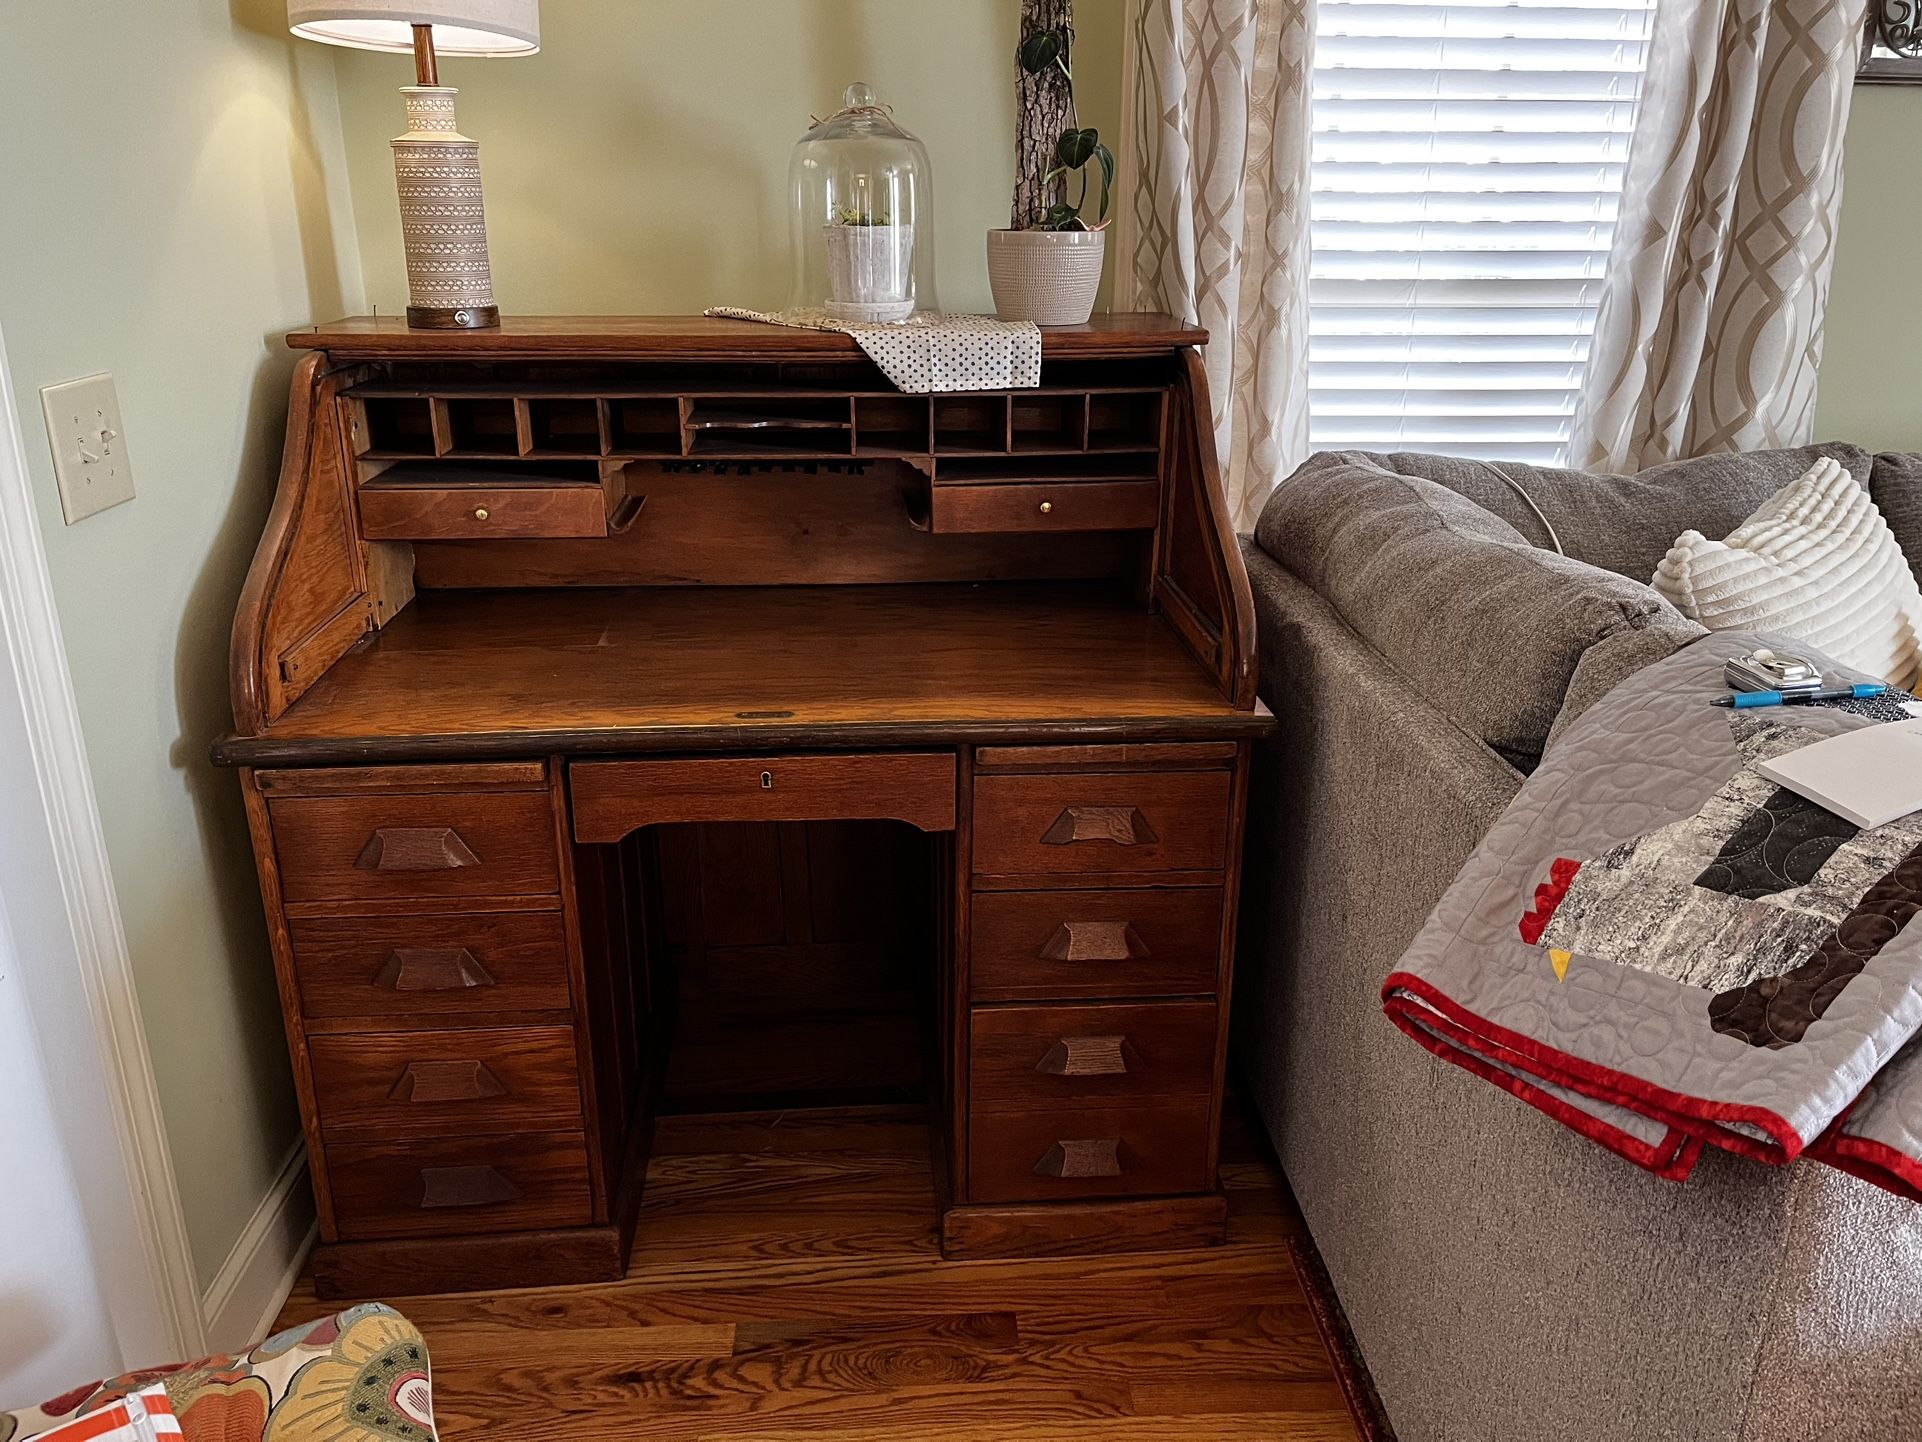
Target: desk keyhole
x=767 y=780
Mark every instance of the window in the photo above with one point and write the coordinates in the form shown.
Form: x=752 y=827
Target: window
x=1467 y=167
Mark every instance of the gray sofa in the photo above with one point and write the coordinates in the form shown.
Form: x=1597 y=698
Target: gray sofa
x=1503 y=1277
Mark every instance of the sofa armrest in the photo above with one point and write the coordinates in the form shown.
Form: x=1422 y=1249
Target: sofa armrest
x=1489 y=628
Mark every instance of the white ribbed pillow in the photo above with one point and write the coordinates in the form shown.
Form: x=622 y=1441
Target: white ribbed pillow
x=1816 y=563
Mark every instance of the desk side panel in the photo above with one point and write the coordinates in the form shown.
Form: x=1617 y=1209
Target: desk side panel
x=315 y=587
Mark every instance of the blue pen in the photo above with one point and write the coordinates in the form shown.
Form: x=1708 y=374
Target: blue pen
x=1743 y=700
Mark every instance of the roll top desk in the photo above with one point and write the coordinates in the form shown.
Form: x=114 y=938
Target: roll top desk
x=547 y=619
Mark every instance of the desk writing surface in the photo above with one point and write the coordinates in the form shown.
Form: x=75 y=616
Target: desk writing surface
x=499 y=672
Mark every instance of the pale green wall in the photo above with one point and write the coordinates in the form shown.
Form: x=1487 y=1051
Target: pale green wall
x=1871 y=381
x=171 y=199
x=639 y=162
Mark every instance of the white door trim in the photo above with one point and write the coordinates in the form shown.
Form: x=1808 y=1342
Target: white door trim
x=79 y=978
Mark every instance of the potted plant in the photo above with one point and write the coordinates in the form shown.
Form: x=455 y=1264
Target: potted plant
x=870 y=266
x=1046 y=266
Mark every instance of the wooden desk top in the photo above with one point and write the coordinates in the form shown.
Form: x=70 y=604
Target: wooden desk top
x=496 y=673
x=695 y=337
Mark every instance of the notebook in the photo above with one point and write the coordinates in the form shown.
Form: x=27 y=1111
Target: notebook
x=1872 y=775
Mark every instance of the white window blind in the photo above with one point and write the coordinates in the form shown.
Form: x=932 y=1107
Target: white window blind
x=1468 y=162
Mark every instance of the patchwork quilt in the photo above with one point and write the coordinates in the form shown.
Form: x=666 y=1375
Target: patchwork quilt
x=1662 y=949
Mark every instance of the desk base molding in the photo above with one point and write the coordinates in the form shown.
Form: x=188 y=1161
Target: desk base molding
x=1055 y=1229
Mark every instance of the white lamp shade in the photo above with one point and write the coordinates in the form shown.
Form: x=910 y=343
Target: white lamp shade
x=461 y=27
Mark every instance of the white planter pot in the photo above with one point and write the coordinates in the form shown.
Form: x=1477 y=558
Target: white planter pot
x=1046 y=276
x=870 y=271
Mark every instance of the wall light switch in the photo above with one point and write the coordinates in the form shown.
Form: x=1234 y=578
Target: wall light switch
x=89 y=449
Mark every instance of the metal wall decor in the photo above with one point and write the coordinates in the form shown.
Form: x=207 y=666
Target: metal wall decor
x=1892 y=44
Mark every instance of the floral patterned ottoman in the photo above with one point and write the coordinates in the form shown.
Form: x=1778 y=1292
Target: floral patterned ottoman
x=359 y=1376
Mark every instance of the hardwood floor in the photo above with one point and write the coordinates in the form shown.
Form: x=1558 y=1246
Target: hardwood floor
x=785 y=1284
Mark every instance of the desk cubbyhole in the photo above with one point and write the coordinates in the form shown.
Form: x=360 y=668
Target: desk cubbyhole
x=891 y=425
x=481 y=426
x=1044 y=422
x=970 y=423
x=565 y=426
x=396 y=426
x=645 y=426
x=1124 y=419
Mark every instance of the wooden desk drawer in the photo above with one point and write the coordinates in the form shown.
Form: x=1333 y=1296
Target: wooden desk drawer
x=1047 y=945
x=1057 y=1153
x=1046 y=506
x=484 y=843
x=446 y=1083
x=1102 y=822
x=379 y=966
x=1023 y=1057
x=423 y=510
x=613 y=798
x=473 y=1184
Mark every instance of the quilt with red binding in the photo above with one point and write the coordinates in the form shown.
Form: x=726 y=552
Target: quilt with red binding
x=1662 y=949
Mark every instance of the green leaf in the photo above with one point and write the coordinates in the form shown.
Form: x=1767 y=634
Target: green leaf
x=1106 y=157
x=1076 y=148
x=1062 y=216
x=1040 y=50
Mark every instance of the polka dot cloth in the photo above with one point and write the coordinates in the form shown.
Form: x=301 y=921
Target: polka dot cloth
x=930 y=352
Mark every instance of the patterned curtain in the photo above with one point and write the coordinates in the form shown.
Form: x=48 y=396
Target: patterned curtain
x=1710 y=329
x=1214 y=224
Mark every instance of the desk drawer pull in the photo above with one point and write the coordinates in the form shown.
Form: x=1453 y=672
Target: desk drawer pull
x=426 y=1082
x=415 y=848
x=1094 y=941
x=1092 y=1157
x=465 y=1187
x=432 y=968
x=1123 y=825
x=1085 y=1056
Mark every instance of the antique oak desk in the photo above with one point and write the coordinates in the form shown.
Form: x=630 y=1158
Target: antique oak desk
x=608 y=687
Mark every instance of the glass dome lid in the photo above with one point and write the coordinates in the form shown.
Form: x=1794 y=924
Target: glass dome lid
x=862 y=194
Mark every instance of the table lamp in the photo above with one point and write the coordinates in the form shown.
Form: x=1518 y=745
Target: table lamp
x=437 y=168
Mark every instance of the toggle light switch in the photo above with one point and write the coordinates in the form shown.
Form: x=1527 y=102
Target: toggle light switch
x=89 y=450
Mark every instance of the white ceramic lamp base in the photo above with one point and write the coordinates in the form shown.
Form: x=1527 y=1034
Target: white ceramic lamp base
x=442 y=219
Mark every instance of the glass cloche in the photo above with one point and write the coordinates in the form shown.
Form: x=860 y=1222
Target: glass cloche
x=863 y=198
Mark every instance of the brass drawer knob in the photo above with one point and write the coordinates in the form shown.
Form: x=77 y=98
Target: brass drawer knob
x=480 y=513
x=1047 y=508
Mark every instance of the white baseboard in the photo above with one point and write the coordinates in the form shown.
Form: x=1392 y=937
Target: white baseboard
x=247 y=1292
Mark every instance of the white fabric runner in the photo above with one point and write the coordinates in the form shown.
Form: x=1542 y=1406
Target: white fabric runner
x=929 y=352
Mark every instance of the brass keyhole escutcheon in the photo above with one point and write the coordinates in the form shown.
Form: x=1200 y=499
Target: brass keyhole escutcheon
x=1047 y=507
x=767 y=780
x=480 y=513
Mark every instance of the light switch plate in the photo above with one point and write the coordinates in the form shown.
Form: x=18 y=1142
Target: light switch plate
x=89 y=446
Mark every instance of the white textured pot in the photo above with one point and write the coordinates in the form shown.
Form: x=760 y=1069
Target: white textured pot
x=1046 y=276
x=870 y=271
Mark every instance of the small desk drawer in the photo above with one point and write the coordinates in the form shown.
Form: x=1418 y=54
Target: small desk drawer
x=1056 y=1153
x=1048 y=945
x=1045 y=506
x=380 y=966
x=612 y=798
x=1103 y=822
x=1024 y=1057
x=446 y=1083
x=483 y=843
x=473 y=1184
x=421 y=510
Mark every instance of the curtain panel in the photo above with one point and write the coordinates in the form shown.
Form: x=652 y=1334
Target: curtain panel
x=1214 y=223
x=1710 y=329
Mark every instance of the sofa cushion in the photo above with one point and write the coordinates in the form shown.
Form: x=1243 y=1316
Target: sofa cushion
x=1489 y=627
x=1895 y=485
x=1816 y=563
x=1626 y=524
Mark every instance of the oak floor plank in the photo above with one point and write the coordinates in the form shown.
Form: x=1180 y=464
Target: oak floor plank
x=786 y=1284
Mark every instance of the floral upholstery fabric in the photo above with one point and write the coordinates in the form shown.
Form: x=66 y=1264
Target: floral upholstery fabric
x=359 y=1376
